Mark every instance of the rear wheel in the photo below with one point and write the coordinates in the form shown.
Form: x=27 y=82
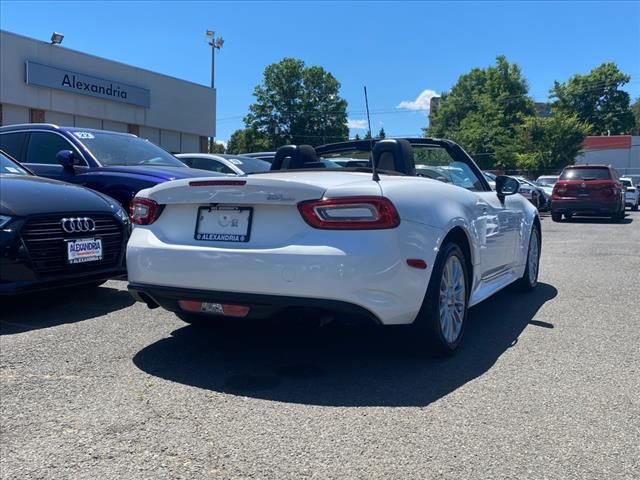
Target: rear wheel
x=618 y=216
x=440 y=323
x=634 y=207
x=529 y=279
x=556 y=217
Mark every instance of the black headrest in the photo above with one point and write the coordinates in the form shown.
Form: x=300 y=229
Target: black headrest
x=289 y=157
x=394 y=154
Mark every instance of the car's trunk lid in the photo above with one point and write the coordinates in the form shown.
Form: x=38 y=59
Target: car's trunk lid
x=256 y=211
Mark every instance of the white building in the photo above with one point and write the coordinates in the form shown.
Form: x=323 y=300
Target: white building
x=620 y=151
x=43 y=82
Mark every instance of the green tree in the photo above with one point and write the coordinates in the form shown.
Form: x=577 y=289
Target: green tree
x=550 y=143
x=484 y=111
x=298 y=104
x=381 y=133
x=215 y=147
x=247 y=140
x=357 y=137
x=635 y=108
x=596 y=98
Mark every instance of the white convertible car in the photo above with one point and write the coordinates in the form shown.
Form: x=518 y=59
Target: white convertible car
x=388 y=246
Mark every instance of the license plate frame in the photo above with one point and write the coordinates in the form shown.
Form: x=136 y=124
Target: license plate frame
x=241 y=236
x=78 y=256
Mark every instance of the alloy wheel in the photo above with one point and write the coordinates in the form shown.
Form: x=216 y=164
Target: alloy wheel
x=453 y=298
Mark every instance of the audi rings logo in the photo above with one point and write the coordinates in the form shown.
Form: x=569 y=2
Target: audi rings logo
x=79 y=224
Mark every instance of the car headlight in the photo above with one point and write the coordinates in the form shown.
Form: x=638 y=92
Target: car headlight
x=4 y=220
x=122 y=214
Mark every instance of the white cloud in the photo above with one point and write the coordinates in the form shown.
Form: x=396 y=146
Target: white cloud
x=357 y=124
x=419 y=104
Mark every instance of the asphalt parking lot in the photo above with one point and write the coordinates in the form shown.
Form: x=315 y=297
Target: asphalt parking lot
x=546 y=385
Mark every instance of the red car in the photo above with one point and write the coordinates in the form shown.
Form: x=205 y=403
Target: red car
x=588 y=190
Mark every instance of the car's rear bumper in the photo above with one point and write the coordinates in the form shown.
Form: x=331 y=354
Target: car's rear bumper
x=585 y=207
x=260 y=306
x=630 y=199
x=363 y=269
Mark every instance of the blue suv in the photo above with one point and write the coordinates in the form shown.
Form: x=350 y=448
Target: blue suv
x=116 y=164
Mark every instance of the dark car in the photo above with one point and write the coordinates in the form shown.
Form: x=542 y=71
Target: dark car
x=117 y=164
x=222 y=163
x=588 y=190
x=53 y=234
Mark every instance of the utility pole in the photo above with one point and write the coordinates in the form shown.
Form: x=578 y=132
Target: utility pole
x=216 y=44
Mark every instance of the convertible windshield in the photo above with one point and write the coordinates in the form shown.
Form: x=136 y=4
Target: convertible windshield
x=119 y=149
x=248 y=164
x=8 y=166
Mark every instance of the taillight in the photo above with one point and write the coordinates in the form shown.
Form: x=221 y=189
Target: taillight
x=143 y=211
x=350 y=213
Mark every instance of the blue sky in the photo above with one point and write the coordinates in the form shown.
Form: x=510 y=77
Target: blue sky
x=400 y=50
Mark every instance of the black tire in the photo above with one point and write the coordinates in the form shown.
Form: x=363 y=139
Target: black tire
x=618 y=216
x=556 y=217
x=634 y=208
x=427 y=331
x=529 y=282
x=568 y=216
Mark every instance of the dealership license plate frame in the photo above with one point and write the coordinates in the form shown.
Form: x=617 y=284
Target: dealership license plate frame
x=74 y=259
x=206 y=236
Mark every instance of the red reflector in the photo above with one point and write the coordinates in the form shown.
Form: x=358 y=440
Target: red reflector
x=228 y=309
x=207 y=183
x=235 y=310
x=417 y=263
x=190 y=305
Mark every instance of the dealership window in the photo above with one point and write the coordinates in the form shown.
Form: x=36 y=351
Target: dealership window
x=44 y=146
x=36 y=115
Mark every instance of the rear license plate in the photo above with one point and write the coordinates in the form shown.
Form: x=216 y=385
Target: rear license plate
x=224 y=224
x=84 y=250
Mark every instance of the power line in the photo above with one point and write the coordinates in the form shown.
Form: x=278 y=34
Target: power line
x=395 y=110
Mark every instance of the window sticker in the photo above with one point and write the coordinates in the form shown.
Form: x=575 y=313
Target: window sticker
x=84 y=135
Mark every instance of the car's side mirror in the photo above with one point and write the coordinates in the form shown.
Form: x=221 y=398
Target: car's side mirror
x=506 y=186
x=66 y=158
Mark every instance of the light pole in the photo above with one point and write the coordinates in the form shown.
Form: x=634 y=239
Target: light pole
x=216 y=44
